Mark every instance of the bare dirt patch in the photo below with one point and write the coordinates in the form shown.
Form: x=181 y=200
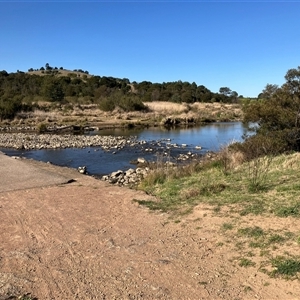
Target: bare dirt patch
x=90 y=240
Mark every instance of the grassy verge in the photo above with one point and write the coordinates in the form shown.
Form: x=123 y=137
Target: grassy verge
x=274 y=189
x=266 y=189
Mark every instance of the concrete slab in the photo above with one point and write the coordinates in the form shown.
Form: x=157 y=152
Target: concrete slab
x=18 y=174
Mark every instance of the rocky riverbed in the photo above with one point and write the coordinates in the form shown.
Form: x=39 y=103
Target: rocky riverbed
x=165 y=152
x=29 y=141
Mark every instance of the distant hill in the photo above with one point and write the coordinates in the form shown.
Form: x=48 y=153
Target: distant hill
x=20 y=90
x=60 y=72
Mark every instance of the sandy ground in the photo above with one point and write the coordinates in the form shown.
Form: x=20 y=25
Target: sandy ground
x=90 y=240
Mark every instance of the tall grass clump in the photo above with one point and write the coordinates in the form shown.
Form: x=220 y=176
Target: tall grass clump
x=257 y=172
x=258 y=154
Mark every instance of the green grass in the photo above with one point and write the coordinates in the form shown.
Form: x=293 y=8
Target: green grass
x=276 y=238
x=274 y=193
x=254 y=232
x=285 y=211
x=245 y=262
x=256 y=207
x=258 y=238
x=285 y=266
x=227 y=226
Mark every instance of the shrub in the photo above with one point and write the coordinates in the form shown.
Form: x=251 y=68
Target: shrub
x=9 y=107
x=131 y=103
x=126 y=103
x=42 y=127
x=278 y=116
x=107 y=104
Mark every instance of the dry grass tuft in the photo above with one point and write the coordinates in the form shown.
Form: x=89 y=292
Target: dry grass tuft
x=292 y=162
x=230 y=159
x=167 y=107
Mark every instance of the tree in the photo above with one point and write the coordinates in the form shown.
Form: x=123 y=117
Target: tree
x=52 y=90
x=234 y=96
x=268 y=91
x=187 y=96
x=278 y=117
x=292 y=78
x=226 y=91
x=47 y=66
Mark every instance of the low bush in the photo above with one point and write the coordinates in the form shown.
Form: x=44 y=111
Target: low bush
x=126 y=103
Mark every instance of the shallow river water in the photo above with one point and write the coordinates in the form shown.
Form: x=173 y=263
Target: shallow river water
x=98 y=162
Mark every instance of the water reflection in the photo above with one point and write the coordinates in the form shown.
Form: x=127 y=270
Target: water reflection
x=98 y=162
x=210 y=137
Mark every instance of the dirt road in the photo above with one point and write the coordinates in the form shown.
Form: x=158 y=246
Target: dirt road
x=90 y=240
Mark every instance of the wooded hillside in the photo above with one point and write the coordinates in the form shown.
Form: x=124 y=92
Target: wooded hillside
x=23 y=90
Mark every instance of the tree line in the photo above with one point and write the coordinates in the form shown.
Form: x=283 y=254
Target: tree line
x=21 y=90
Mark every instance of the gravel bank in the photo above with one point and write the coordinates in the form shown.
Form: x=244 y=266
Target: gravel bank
x=52 y=141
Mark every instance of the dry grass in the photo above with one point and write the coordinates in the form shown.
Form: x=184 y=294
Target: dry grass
x=71 y=113
x=292 y=162
x=200 y=112
x=167 y=107
x=219 y=110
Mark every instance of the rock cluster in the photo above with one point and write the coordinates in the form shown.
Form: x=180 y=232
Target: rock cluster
x=187 y=156
x=130 y=177
x=53 y=141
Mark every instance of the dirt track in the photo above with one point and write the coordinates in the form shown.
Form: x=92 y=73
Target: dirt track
x=89 y=240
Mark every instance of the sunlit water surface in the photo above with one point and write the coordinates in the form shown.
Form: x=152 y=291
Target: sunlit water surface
x=98 y=162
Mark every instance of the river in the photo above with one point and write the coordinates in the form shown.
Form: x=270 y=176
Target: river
x=99 y=162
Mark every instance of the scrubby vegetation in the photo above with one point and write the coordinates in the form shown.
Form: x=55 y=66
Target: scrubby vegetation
x=277 y=117
x=25 y=90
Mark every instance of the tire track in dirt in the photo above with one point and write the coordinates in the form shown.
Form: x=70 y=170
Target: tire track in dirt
x=88 y=240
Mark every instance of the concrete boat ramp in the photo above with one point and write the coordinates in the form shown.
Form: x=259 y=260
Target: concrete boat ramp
x=18 y=174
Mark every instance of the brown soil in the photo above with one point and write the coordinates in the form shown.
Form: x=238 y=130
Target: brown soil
x=90 y=240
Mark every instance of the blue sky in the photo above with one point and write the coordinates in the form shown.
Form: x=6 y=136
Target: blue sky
x=242 y=45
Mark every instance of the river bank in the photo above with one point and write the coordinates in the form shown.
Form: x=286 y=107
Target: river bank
x=50 y=117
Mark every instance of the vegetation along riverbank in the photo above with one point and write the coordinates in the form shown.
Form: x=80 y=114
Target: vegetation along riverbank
x=54 y=97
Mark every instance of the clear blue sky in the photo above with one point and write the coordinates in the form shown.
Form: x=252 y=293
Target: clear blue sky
x=242 y=45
